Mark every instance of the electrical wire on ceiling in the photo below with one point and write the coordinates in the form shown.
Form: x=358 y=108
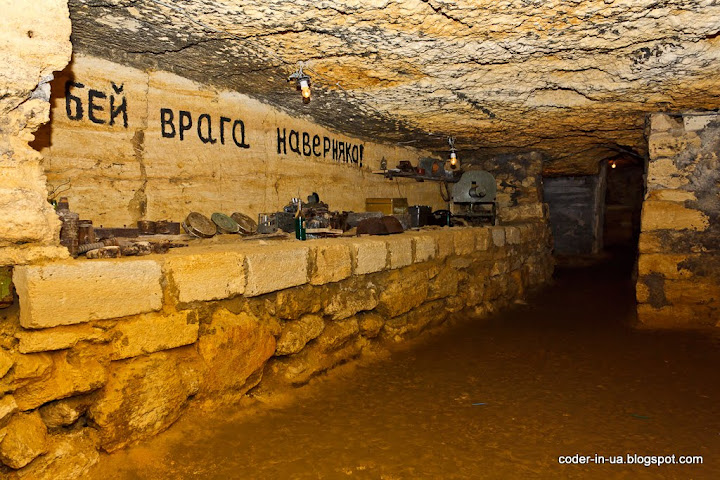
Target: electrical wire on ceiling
x=328 y=81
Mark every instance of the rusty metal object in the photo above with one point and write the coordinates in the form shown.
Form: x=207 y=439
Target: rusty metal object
x=86 y=232
x=354 y=218
x=136 y=249
x=111 y=242
x=147 y=227
x=392 y=225
x=101 y=233
x=166 y=227
x=379 y=226
x=405 y=166
x=224 y=223
x=90 y=246
x=247 y=226
x=69 y=232
x=198 y=225
x=164 y=246
x=105 y=252
x=160 y=247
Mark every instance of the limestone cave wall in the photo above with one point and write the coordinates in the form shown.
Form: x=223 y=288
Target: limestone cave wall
x=679 y=263
x=152 y=145
x=35 y=39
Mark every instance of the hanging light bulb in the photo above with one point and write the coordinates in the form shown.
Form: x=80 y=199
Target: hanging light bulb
x=302 y=82
x=613 y=164
x=453 y=155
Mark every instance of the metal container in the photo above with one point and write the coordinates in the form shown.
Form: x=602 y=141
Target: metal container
x=419 y=215
x=388 y=206
x=63 y=204
x=86 y=232
x=147 y=227
x=404 y=220
x=247 y=225
x=224 y=223
x=69 y=232
x=198 y=225
x=442 y=218
x=266 y=223
x=475 y=186
x=285 y=221
x=166 y=227
x=101 y=232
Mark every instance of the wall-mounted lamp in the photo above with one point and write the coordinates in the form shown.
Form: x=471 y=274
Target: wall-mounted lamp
x=454 y=162
x=302 y=82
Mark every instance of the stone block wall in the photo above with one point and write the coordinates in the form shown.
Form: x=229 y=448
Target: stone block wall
x=35 y=39
x=127 y=345
x=679 y=262
x=519 y=183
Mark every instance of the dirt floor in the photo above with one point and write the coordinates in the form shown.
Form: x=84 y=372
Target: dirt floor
x=566 y=374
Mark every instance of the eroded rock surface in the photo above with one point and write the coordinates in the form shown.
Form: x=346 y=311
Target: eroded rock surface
x=574 y=79
x=234 y=349
x=143 y=396
x=35 y=39
x=25 y=439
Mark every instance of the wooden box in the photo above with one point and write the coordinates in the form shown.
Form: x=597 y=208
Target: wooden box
x=388 y=206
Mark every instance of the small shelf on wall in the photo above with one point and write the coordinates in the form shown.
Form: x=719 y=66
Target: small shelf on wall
x=397 y=173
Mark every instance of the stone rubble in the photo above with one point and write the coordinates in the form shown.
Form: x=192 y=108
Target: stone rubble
x=24 y=439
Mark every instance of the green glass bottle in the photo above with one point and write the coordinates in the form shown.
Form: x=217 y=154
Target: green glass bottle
x=299 y=223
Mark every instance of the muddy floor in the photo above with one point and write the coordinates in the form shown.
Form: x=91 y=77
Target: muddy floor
x=504 y=398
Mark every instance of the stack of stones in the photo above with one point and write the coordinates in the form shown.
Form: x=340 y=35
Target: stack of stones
x=679 y=263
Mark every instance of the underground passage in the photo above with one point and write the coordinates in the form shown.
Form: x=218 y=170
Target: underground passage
x=343 y=239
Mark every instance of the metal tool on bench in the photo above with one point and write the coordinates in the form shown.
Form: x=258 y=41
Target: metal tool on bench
x=474 y=195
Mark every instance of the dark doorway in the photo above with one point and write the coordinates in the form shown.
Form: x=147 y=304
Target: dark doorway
x=623 y=204
x=576 y=205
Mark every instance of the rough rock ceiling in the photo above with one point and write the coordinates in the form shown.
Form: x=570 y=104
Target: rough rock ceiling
x=573 y=79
